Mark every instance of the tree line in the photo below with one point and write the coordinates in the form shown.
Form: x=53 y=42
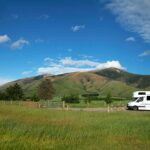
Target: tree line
x=45 y=91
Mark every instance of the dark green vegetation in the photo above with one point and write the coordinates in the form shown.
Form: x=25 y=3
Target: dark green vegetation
x=108 y=99
x=88 y=97
x=71 y=99
x=45 y=91
x=12 y=92
x=117 y=82
x=42 y=129
x=99 y=104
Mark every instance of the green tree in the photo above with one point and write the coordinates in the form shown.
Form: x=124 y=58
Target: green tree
x=46 y=90
x=14 y=92
x=90 y=96
x=35 y=98
x=3 y=96
x=108 y=101
x=71 y=98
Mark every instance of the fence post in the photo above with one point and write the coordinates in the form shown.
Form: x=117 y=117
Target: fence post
x=39 y=105
x=63 y=104
x=67 y=107
x=48 y=104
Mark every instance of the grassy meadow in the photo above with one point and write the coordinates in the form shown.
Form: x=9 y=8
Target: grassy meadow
x=98 y=104
x=24 y=128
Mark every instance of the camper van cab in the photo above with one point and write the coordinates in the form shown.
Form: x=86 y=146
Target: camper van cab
x=141 y=101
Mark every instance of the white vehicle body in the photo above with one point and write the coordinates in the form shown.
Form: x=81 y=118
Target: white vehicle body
x=141 y=101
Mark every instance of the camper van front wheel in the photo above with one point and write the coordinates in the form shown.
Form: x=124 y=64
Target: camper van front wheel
x=135 y=108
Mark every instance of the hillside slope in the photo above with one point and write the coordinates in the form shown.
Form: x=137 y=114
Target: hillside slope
x=135 y=80
x=118 y=82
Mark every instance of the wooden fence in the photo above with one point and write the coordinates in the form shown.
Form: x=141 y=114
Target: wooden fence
x=40 y=104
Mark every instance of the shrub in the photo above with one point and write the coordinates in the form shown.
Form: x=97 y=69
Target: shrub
x=14 y=92
x=71 y=99
x=88 y=97
x=35 y=98
x=3 y=96
x=108 y=101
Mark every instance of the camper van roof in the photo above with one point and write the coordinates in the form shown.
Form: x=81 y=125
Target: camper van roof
x=140 y=93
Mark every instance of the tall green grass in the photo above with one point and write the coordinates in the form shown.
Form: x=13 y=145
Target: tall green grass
x=42 y=129
x=98 y=104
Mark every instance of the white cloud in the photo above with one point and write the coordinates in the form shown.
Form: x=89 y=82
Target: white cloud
x=77 y=28
x=61 y=70
x=130 y=39
x=4 y=38
x=146 y=53
x=47 y=59
x=19 y=44
x=109 y=64
x=3 y=81
x=26 y=72
x=134 y=15
x=79 y=63
x=68 y=64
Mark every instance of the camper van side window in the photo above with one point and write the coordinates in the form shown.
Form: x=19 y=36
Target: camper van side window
x=148 y=98
x=142 y=93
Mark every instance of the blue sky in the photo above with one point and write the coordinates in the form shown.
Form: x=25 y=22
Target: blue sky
x=59 y=36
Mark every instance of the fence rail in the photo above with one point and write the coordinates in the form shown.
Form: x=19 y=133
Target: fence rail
x=40 y=104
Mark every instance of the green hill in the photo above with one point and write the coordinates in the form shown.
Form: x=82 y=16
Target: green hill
x=120 y=83
x=135 y=80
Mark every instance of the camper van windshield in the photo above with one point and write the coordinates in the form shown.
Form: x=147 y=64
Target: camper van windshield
x=140 y=99
x=135 y=98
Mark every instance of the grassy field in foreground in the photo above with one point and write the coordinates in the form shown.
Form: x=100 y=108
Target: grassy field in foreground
x=42 y=129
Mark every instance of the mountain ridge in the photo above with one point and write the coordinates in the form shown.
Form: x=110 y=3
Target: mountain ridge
x=119 y=82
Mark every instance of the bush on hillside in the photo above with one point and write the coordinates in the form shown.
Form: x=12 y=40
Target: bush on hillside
x=88 y=97
x=71 y=99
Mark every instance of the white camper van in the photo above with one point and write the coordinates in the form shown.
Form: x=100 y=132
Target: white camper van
x=141 y=101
